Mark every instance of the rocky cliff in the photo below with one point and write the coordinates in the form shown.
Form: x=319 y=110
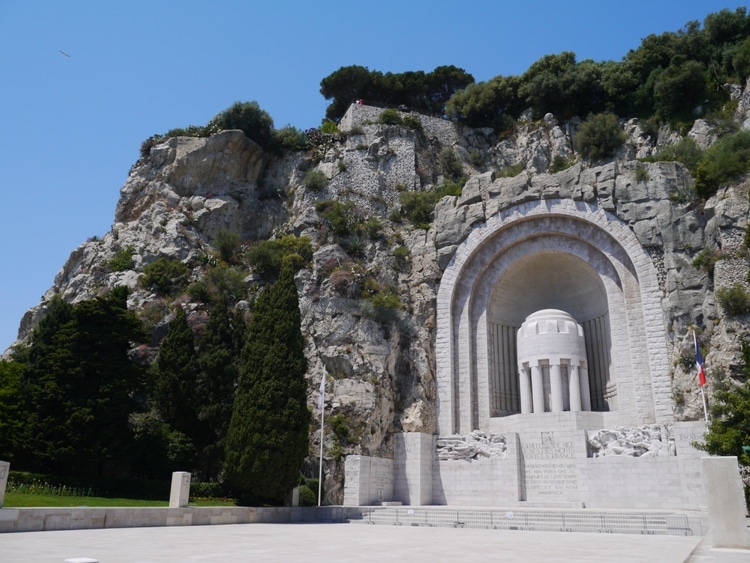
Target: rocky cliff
x=380 y=362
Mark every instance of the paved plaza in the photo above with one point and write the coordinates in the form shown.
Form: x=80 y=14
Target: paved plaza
x=347 y=542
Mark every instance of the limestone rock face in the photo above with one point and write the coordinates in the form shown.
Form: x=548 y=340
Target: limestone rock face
x=379 y=362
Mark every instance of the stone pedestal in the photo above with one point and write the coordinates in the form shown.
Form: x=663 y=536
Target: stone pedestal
x=726 y=502
x=179 y=494
x=4 y=469
x=412 y=481
x=367 y=480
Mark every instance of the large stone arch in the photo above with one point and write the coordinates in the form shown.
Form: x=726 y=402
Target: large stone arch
x=550 y=254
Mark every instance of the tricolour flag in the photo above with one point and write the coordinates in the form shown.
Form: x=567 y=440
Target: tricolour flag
x=322 y=392
x=699 y=362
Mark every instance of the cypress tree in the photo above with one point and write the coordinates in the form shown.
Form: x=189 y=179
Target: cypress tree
x=176 y=374
x=267 y=439
x=218 y=359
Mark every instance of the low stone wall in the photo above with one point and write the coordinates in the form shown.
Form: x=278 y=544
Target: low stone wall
x=43 y=519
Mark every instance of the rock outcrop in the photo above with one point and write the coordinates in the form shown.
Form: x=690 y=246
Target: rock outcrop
x=380 y=364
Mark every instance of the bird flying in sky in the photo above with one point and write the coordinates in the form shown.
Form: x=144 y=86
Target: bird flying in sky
x=64 y=53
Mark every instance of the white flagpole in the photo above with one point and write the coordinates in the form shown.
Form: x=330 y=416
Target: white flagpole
x=321 y=405
x=705 y=408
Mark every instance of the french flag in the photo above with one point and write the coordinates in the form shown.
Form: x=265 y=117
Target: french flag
x=699 y=362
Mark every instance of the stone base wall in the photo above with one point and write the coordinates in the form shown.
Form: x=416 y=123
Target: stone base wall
x=44 y=519
x=553 y=467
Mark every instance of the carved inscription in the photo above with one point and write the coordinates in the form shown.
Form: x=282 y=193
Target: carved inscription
x=550 y=479
x=548 y=450
x=381 y=478
x=546 y=471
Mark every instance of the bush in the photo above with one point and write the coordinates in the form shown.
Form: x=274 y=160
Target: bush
x=418 y=207
x=329 y=127
x=340 y=216
x=227 y=243
x=382 y=307
x=734 y=300
x=723 y=162
x=451 y=165
x=511 y=171
x=707 y=259
x=290 y=139
x=354 y=246
x=559 y=163
x=249 y=118
x=266 y=257
x=122 y=260
x=390 y=117
x=412 y=122
x=165 y=276
x=641 y=174
x=372 y=227
x=600 y=136
x=307 y=497
x=686 y=152
x=315 y=180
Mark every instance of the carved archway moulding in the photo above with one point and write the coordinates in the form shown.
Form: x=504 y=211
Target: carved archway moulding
x=590 y=243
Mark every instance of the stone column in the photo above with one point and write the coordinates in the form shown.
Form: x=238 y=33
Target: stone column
x=524 y=388
x=180 y=492
x=585 y=392
x=555 y=383
x=537 y=388
x=574 y=388
x=4 y=470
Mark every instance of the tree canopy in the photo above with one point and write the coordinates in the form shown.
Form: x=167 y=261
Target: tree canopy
x=80 y=387
x=674 y=76
x=420 y=91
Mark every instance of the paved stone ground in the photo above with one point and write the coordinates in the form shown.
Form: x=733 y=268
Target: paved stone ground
x=347 y=542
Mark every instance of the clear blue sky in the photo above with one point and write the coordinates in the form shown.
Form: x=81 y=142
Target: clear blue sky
x=72 y=126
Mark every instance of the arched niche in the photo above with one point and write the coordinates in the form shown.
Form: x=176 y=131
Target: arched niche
x=559 y=254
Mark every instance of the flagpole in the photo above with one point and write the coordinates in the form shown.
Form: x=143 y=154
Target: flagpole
x=321 y=404
x=702 y=379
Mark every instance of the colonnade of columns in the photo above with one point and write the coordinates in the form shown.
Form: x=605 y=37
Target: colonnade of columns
x=532 y=386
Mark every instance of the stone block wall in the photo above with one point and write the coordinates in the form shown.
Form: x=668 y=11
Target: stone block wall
x=443 y=130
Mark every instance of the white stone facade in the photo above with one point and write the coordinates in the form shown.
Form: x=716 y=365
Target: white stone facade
x=553 y=381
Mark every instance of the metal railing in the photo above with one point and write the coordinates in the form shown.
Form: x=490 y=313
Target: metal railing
x=651 y=523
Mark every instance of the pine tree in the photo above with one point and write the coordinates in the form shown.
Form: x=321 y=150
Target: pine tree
x=267 y=437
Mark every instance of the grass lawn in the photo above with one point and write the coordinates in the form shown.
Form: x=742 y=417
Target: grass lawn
x=19 y=500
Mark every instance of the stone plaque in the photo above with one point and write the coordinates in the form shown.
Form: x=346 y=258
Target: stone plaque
x=550 y=471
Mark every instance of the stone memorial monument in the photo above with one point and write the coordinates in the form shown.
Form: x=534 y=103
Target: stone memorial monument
x=553 y=378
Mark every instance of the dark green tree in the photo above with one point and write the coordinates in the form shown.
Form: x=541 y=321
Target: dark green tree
x=218 y=362
x=12 y=412
x=267 y=437
x=81 y=386
x=175 y=378
x=729 y=426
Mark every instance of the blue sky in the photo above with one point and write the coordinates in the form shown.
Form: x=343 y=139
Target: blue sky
x=72 y=126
